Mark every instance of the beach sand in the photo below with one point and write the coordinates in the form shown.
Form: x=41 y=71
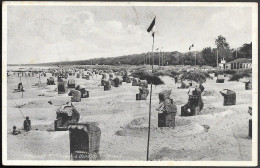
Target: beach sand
x=218 y=133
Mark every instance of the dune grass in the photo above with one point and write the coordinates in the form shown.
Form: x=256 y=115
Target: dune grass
x=197 y=76
x=239 y=74
x=150 y=77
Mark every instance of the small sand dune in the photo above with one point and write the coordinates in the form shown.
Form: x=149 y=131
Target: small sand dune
x=138 y=128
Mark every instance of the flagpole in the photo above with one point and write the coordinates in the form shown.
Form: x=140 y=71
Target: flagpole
x=20 y=82
x=195 y=53
x=162 y=59
x=217 y=57
x=149 y=59
x=159 y=57
x=195 y=58
x=152 y=52
x=149 y=125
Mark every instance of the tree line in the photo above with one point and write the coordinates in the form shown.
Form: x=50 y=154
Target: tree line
x=208 y=56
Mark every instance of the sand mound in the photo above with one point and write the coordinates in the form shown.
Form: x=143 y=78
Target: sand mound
x=139 y=127
x=20 y=106
x=210 y=110
x=208 y=93
x=163 y=154
x=31 y=104
x=180 y=154
x=45 y=95
x=49 y=128
x=179 y=101
x=139 y=122
x=52 y=88
x=182 y=121
x=39 y=85
x=34 y=104
x=135 y=128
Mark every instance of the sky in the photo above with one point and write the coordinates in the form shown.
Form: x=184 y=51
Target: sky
x=39 y=34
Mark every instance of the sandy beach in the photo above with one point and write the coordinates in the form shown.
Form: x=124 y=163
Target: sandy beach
x=218 y=133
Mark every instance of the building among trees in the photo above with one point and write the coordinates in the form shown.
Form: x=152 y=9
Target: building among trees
x=223 y=64
x=240 y=63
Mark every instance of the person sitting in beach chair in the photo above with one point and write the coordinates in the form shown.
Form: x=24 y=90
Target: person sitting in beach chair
x=188 y=111
x=15 y=132
x=201 y=87
x=193 y=91
x=27 y=124
x=20 y=87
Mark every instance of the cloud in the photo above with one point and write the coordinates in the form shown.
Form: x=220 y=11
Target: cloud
x=77 y=37
x=232 y=23
x=46 y=29
x=65 y=33
x=102 y=38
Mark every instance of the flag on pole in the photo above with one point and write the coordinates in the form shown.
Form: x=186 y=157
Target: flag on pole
x=191 y=46
x=151 y=28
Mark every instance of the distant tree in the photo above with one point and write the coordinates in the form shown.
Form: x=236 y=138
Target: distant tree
x=246 y=50
x=182 y=60
x=221 y=42
x=235 y=53
x=172 y=61
x=189 y=58
x=223 y=48
x=199 y=59
x=169 y=57
x=208 y=56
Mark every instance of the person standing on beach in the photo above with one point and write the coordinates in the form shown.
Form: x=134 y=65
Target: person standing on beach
x=27 y=124
x=176 y=79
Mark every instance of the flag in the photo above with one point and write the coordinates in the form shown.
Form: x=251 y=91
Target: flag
x=151 y=27
x=191 y=46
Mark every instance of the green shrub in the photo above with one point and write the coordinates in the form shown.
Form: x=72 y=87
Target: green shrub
x=150 y=77
x=174 y=73
x=197 y=76
x=163 y=73
x=217 y=72
x=229 y=71
x=241 y=74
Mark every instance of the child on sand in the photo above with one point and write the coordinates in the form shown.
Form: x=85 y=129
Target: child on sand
x=15 y=132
